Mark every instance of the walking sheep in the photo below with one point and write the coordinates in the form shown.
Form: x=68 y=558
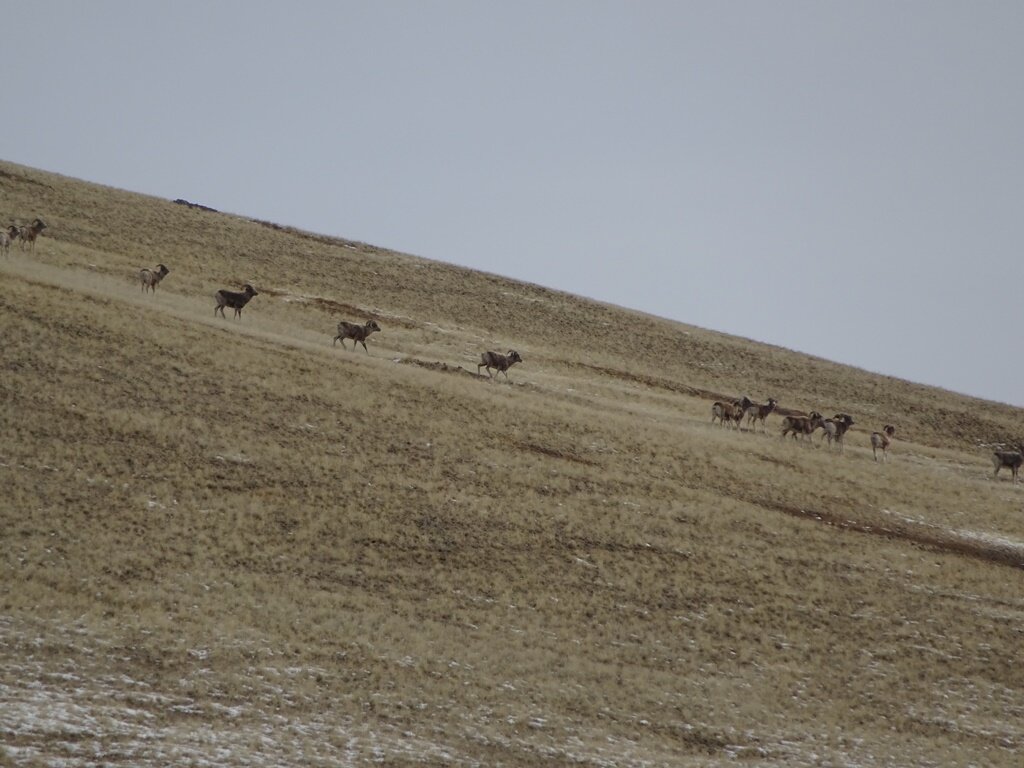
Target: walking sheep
x=150 y=278
x=802 y=426
x=756 y=412
x=498 y=362
x=234 y=300
x=357 y=333
x=731 y=413
x=1010 y=459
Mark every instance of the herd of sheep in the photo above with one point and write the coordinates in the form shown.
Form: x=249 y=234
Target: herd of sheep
x=732 y=413
x=26 y=235
x=834 y=429
x=150 y=279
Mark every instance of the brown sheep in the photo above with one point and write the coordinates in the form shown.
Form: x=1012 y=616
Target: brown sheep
x=357 y=333
x=498 y=362
x=30 y=233
x=882 y=440
x=802 y=426
x=731 y=413
x=1010 y=459
x=835 y=429
x=234 y=300
x=150 y=278
x=756 y=412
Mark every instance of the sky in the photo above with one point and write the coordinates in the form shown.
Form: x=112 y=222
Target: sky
x=841 y=178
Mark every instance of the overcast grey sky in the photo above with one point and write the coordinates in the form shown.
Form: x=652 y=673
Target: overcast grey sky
x=841 y=178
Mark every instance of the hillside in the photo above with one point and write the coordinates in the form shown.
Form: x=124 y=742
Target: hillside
x=229 y=542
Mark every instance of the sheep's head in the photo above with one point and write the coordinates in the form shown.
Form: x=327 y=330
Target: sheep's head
x=249 y=290
x=514 y=357
x=371 y=325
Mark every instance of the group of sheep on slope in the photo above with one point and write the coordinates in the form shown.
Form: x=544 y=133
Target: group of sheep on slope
x=26 y=234
x=150 y=279
x=732 y=413
x=833 y=430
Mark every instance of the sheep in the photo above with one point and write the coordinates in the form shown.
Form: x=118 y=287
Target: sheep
x=150 y=278
x=835 y=429
x=7 y=237
x=498 y=362
x=30 y=233
x=756 y=412
x=234 y=300
x=727 y=412
x=1010 y=459
x=357 y=333
x=801 y=425
x=882 y=440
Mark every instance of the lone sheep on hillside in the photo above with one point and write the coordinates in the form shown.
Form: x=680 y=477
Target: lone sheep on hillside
x=150 y=278
x=498 y=362
x=1009 y=459
x=357 y=333
x=234 y=300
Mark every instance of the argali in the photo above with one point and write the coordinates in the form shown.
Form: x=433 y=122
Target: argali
x=5 y=241
x=150 y=278
x=756 y=412
x=731 y=413
x=836 y=428
x=498 y=362
x=1009 y=459
x=356 y=332
x=29 y=234
x=234 y=300
x=802 y=426
x=882 y=440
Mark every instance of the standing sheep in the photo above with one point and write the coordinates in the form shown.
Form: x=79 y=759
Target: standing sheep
x=150 y=278
x=882 y=440
x=234 y=300
x=30 y=233
x=1012 y=460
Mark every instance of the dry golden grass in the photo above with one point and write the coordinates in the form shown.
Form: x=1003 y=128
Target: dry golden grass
x=226 y=542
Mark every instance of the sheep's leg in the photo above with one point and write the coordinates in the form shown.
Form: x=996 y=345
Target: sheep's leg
x=364 y=346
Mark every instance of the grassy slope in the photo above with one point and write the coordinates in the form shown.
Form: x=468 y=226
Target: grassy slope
x=228 y=541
